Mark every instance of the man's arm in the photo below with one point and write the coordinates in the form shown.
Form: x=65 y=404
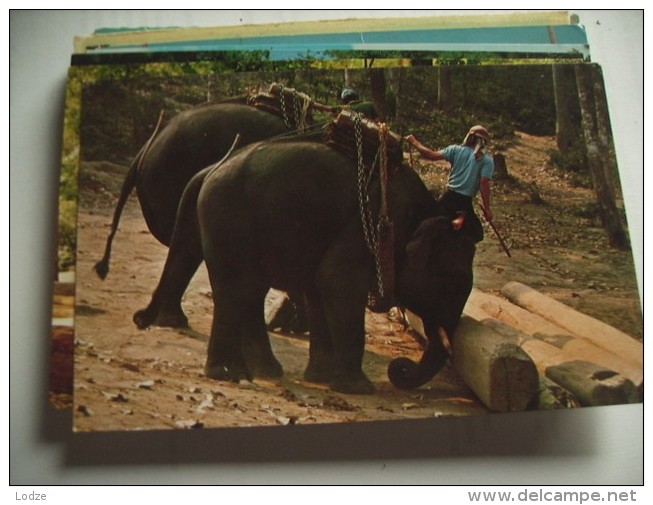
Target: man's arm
x=429 y=154
x=486 y=191
x=324 y=108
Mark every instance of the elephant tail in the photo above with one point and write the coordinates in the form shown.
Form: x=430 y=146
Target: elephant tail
x=102 y=266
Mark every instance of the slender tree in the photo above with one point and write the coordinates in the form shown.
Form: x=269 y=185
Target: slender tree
x=595 y=125
x=378 y=88
x=397 y=79
x=564 y=90
x=445 y=98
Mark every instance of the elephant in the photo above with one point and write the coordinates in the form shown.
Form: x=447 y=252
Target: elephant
x=287 y=214
x=192 y=140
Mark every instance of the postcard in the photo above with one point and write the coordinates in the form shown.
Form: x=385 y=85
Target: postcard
x=253 y=242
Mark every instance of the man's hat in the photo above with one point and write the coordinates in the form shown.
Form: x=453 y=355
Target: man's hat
x=348 y=94
x=480 y=131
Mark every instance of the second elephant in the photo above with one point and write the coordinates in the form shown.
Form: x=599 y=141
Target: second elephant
x=287 y=214
x=192 y=140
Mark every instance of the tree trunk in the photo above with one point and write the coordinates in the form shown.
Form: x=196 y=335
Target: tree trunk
x=378 y=87
x=500 y=167
x=397 y=79
x=445 y=100
x=564 y=92
x=595 y=123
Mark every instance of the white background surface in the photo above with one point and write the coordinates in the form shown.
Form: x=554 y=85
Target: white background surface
x=586 y=446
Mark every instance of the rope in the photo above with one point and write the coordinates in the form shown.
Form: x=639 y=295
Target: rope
x=301 y=105
x=383 y=168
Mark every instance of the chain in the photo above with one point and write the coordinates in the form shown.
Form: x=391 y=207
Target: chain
x=299 y=124
x=301 y=104
x=283 y=107
x=371 y=235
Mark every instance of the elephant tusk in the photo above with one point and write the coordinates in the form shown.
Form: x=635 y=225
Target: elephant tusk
x=446 y=340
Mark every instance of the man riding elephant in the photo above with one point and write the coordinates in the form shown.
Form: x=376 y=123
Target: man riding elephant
x=471 y=172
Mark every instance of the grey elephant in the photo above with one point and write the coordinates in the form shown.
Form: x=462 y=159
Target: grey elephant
x=287 y=214
x=194 y=139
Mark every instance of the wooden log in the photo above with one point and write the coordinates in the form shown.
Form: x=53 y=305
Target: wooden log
x=542 y=353
x=511 y=314
x=277 y=310
x=551 y=350
x=580 y=349
x=475 y=311
x=577 y=323
x=592 y=384
x=501 y=374
x=538 y=327
x=552 y=396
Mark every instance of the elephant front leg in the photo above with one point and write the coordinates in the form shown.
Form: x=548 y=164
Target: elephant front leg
x=320 y=356
x=225 y=359
x=343 y=285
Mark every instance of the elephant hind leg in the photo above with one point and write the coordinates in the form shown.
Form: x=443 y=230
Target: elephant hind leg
x=185 y=255
x=239 y=346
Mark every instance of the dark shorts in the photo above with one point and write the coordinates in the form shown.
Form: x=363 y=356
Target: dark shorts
x=453 y=204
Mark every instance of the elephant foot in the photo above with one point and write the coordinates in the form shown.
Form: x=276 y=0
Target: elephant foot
x=171 y=318
x=224 y=372
x=354 y=383
x=318 y=374
x=167 y=319
x=144 y=318
x=269 y=369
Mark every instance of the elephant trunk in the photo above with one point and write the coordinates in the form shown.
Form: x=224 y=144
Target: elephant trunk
x=404 y=373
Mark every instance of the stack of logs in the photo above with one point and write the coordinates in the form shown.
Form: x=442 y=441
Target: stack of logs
x=529 y=351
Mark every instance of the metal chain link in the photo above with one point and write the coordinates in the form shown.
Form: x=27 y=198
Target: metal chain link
x=284 y=112
x=298 y=122
x=301 y=104
x=370 y=233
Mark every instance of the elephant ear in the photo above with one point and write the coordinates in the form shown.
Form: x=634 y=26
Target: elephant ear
x=421 y=243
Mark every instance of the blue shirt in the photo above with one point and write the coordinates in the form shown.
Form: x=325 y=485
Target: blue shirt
x=466 y=171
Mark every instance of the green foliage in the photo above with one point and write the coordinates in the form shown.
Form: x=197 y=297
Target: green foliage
x=67 y=234
x=113 y=108
x=520 y=97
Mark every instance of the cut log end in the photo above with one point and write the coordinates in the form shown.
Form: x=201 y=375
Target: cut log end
x=594 y=385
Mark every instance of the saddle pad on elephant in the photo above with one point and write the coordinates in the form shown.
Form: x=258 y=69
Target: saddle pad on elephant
x=289 y=104
x=342 y=136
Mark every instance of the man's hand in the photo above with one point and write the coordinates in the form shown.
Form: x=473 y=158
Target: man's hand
x=488 y=214
x=411 y=139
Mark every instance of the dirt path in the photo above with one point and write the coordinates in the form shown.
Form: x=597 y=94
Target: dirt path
x=129 y=379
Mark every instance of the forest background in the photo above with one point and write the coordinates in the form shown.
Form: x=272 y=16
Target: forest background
x=112 y=110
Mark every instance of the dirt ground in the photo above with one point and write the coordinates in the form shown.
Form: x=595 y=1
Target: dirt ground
x=131 y=379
